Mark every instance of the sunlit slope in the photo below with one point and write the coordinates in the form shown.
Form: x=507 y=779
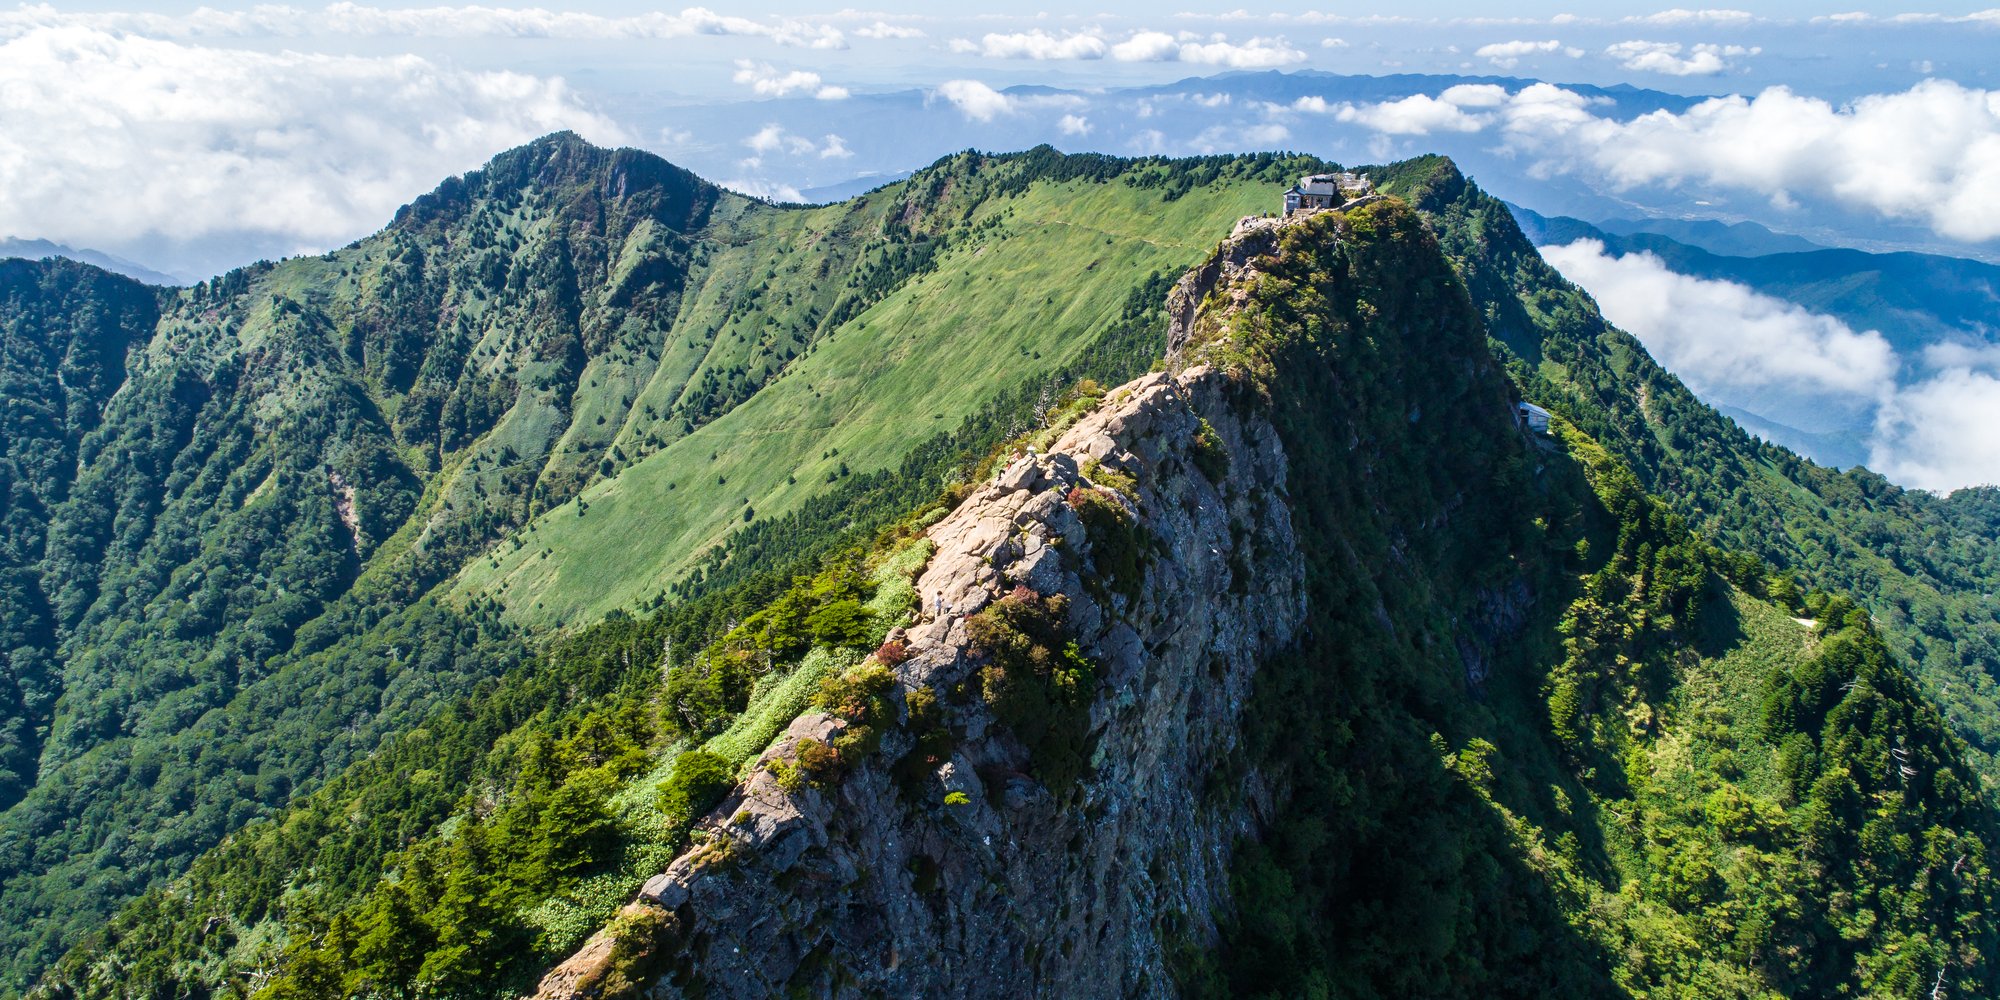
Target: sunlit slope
x=1031 y=280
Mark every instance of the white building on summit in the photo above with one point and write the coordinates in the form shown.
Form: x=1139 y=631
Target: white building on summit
x=1317 y=191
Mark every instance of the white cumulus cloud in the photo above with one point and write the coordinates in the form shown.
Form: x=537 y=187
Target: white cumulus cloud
x=1418 y=114
x=1239 y=138
x=1665 y=57
x=768 y=81
x=1718 y=334
x=352 y=19
x=758 y=187
x=1938 y=434
x=1475 y=95
x=111 y=139
x=883 y=29
x=976 y=100
x=1508 y=55
x=774 y=139
x=1735 y=346
x=1073 y=125
x=1681 y=16
x=1148 y=46
x=1254 y=53
x=1456 y=109
x=1036 y=44
x=1140 y=46
x=1929 y=154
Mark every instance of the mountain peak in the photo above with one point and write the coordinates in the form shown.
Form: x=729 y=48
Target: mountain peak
x=561 y=161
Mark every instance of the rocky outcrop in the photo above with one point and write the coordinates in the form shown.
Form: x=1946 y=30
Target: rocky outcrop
x=971 y=877
x=1230 y=267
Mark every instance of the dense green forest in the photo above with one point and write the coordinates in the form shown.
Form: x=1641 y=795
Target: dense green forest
x=1922 y=565
x=381 y=633
x=65 y=330
x=1667 y=783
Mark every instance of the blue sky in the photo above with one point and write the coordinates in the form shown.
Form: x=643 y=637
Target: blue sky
x=170 y=131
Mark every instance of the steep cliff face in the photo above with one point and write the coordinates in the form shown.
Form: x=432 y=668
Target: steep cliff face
x=982 y=875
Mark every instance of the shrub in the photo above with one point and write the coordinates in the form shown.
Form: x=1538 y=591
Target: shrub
x=957 y=799
x=815 y=757
x=1109 y=478
x=893 y=652
x=635 y=935
x=717 y=852
x=1117 y=545
x=1036 y=681
x=932 y=745
x=1210 y=456
x=859 y=694
x=699 y=781
x=811 y=761
x=791 y=777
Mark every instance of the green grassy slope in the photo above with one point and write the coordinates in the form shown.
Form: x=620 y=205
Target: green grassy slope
x=1026 y=283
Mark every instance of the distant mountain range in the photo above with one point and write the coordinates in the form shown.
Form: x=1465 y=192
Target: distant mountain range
x=1914 y=299
x=43 y=249
x=1921 y=304
x=786 y=148
x=1730 y=239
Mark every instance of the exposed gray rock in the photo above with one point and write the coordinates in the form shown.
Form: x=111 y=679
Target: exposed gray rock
x=880 y=886
x=1232 y=263
x=665 y=891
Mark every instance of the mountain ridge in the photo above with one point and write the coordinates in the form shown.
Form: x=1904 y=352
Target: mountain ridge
x=913 y=253
x=368 y=421
x=27 y=249
x=730 y=916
